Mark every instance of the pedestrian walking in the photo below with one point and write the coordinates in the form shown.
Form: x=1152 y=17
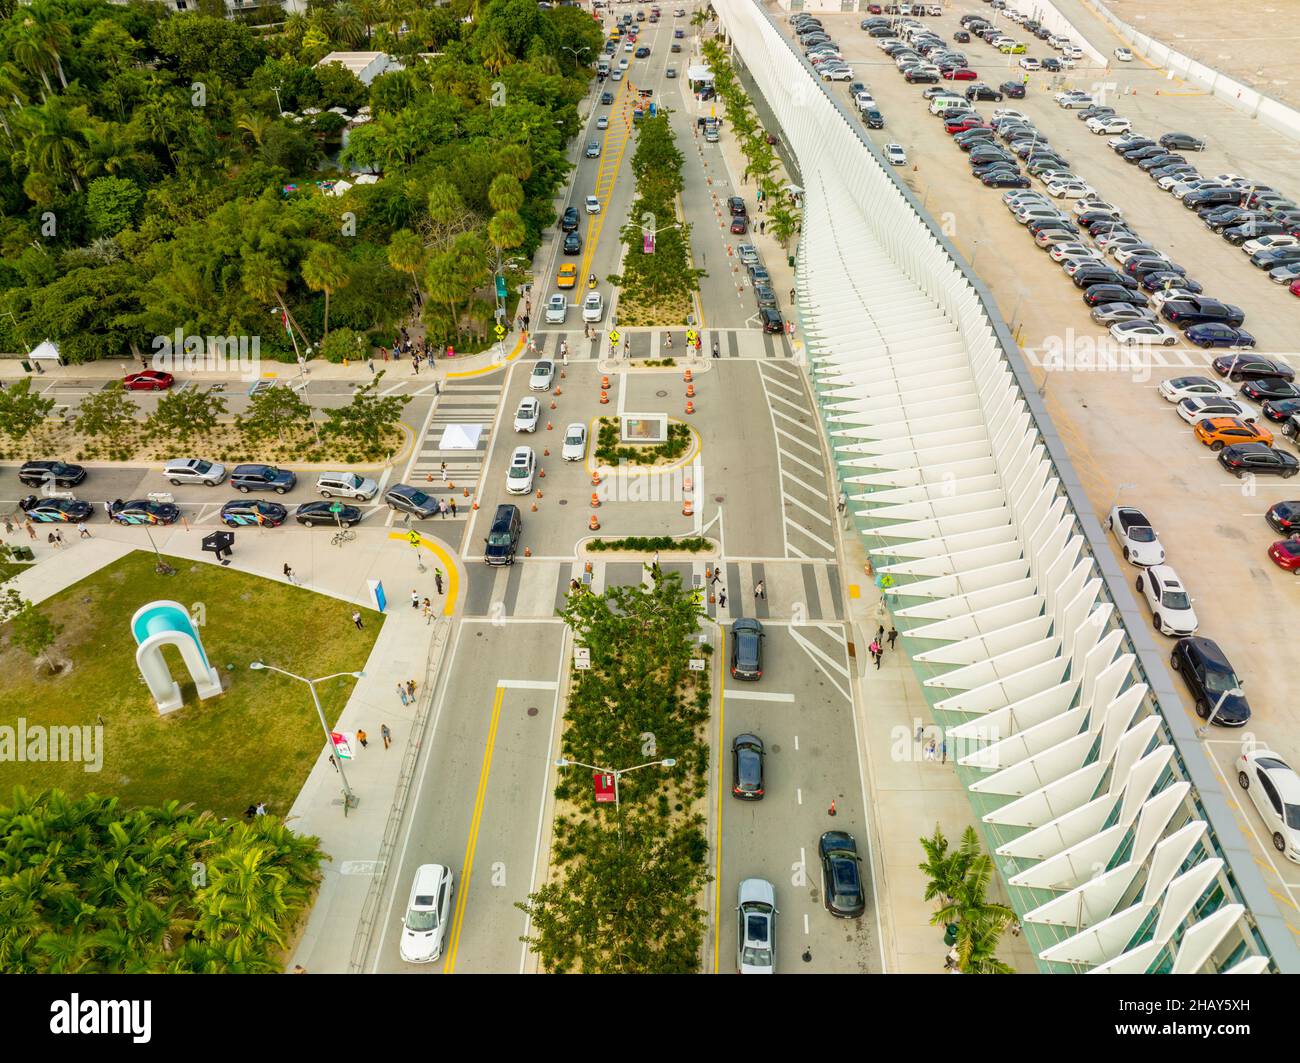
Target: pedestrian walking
x=415 y=364
x=670 y=341
x=401 y=693
x=52 y=541
x=442 y=471
x=442 y=508
x=83 y=531
x=893 y=634
x=31 y=529
x=943 y=750
x=930 y=750
x=875 y=652
x=415 y=599
x=880 y=633
x=428 y=612
x=437 y=579
x=722 y=599
x=452 y=502
x=760 y=591
x=437 y=388
x=715 y=349
x=361 y=737
x=260 y=810
x=383 y=352
x=334 y=762
x=356 y=619
x=526 y=319
x=410 y=688
x=920 y=734
x=716 y=578
x=58 y=536
x=386 y=735
x=792 y=295
x=288 y=573
x=762 y=226
x=370 y=364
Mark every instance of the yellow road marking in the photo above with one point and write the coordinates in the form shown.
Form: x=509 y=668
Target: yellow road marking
x=453 y=573
x=471 y=843
x=519 y=347
x=717 y=869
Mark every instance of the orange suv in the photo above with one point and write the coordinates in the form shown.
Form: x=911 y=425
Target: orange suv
x=1219 y=432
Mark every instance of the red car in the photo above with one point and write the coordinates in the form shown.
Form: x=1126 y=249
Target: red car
x=149 y=380
x=738 y=225
x=873 y=9
x=961 y=74
x=1295 y=287
x=960 y=124
x=1286 y=554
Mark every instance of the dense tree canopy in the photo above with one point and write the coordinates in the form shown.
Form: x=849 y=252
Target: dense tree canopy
x=145 y=155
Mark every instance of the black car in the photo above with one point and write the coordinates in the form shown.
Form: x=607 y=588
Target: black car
x=144 y=511
x=1258 y=459
x=873 y=118
x=1141 y=267
x=914 y=75
x=1280 y=411
x=246 y=513
x=1005 y=179
x=1284 y=518
x=1113 y=293
x=606 y=98
x=1241 y=216
x=842 y=891
x=1052 y=64
x=1156 y=161
x=1187 y=312
x=313 y=513
x=982 y=156
x=736 y=206
x=642 y=52
x=572 y=244
x=1163 y=278
x=747 y=649
x=411 y=500
x=569 y=222
x=247 y=478
x=765 y=296
x=1182 y=142
x=55 y=510
x=1135 y=154
x=1205 y=196
x=771 y=320
x=982 y=92
x=961 y=37
x=747 y=767
x=1088 y=276
x=1013 y=90
x=503 y=536
x=57 y=473
x=1210 y=678
x=1251 y=367
x=1089 y=218
x=1269 y=387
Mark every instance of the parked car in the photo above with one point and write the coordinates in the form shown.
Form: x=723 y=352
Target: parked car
x=1257 y=458
x=246 y=513
x=1274 y=789
x=313 y=513
x=1211 y=681
x=1219 y=432
x=842 y=890
x=1195 y=410
x=1171 y=605
x=194 y=471
x=1136 y=537
x=747 y=649
x=144 y=511
x=247 y=478
x=148 y=380
x=50 y=474
x=1182 y=142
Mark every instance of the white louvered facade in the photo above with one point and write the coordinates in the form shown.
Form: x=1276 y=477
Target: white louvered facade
x=1094 y=804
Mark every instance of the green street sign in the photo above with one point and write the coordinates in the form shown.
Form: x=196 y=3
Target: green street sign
x=501 y=286
x=613 y=337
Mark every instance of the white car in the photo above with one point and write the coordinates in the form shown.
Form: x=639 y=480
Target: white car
x=1136 y=537
x=557 y=309
x=527 y=415
x=1123 y=250
x=542 y=375
x=1123 y=55
x=1267 y=243
x=523 y=467
x=1158 y=299
x=864 y=101
x=424 y=928
x=1004 y=112
x=1171 y=605
x=1144 y=332
x=602 y=122
x=756 y=913
x=1274 y=788
x=1074 y=100
x=592 y=205
x=1074 y=263
x=895 y=154
x=1088 y=203
x=1072 y=249
x=194 y=471
x=1108 y=125
x=1028 y=62
x=629 y=46
x=1194 y=409
x=593 y=307
x=1195 y=387
x=1069 y=189
x=1169 y=180
x=575 y=443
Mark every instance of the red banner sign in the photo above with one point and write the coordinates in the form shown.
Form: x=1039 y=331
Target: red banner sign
x=604 y=786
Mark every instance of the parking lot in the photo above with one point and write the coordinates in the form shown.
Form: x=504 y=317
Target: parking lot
x=1127 y=442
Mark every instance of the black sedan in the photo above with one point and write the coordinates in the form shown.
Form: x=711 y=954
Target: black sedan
x=1251 y=367
x=313 y=513
x=747 y=767
x=1259 y=459
x=58 y=473
x=144 y=511
x=747 y=649
x=1284 y=518
x=1005 y=179
x=842 y=891
x=1269 y=387
x=1159 y=279
x=243 y=513
x=983 y=92
x=1113 y=293
x=1013 y=89
x=1210 y=680
x=1281 y=410
x=55 y=510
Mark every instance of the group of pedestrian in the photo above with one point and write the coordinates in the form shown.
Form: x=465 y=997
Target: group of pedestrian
x=406 y=691
x=877 y=644
x=446 y=506
x=55 y=538
x=258 y=809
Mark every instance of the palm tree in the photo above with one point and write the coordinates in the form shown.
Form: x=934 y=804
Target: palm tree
x=265 y=280
x=112 y=150
x=506 y=230
x=496 y=53
x=959 y=881
x=325 y=269
x=406 y=252
x=52 y=30
x=349 y=27
x=55 y=142
x=255 y=125
x=32 y=52
x=11 y=88
x=368 y=13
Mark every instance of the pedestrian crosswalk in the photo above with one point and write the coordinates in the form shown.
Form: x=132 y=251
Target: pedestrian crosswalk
x=434 y=468
x=659 y=343
x=796 y=592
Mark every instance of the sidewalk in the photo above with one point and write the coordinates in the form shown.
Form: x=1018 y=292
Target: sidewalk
x=909 y=794
x=407 y=648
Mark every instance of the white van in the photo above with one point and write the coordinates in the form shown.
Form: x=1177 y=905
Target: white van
x=946 y=105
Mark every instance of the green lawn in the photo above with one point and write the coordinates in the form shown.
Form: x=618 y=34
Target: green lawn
x=256 y=742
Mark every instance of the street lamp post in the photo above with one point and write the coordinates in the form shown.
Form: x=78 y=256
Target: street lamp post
x=1204 y=729
x=350 y=799
x=667 y=762
x=1119 y=491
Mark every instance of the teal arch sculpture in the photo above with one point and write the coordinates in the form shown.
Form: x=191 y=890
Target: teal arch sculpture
x=164 y=623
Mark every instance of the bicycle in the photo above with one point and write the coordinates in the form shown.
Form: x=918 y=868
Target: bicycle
x=344 y=536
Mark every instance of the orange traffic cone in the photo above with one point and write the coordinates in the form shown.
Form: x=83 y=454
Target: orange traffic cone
x=688 y=508
x=604 y=396
x=595 y=500
x=690 y=406
x=541 y=474
x=688 y=376
x=595 y=479
x=690 y=390
x=593 y=524
x=528 y=551
x=604 y=383
x=831 y=811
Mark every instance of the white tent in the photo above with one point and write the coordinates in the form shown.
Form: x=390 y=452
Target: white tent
x=48 y=351
x=461 y=437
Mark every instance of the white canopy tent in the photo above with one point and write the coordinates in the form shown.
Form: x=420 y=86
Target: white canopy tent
x=461 y=437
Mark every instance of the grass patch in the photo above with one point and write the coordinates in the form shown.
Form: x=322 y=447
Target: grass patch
x=610 y=451
x=646 y=544
x=256 y=742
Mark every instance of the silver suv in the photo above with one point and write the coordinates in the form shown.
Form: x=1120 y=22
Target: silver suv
x=346 y=485
x=194 y=471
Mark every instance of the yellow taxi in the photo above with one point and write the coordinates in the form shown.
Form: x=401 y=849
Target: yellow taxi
x=1219 y=432
x=567 y=277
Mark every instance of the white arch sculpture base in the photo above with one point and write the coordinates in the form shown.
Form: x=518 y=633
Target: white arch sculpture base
x=164 y=623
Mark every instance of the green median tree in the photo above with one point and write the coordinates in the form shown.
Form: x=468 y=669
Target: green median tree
x=107 y=416
x=367 y=423
x=186 y=415
x=278 y=413
x=22 y=411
